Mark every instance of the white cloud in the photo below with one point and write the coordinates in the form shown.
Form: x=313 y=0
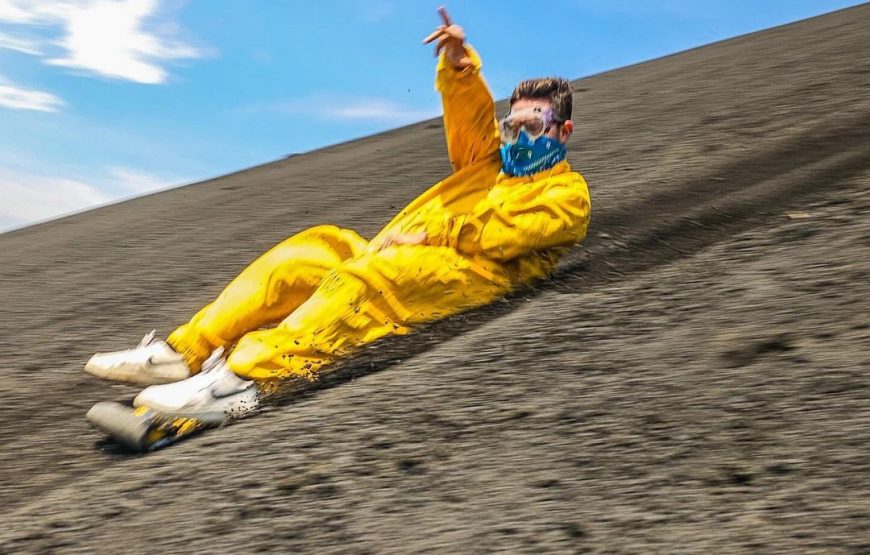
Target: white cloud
x=15 y=11
x=32 y=197
x=377 y=110
x=19 y=44
x=331 y=107
x=138 y=182
x=122 y=39
x=28 y=99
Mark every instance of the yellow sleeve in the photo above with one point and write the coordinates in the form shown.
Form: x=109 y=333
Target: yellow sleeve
x=470 y=124
x=550 y=214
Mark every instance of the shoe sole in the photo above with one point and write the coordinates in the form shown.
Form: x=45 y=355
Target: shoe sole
x=141 y=429
x=120 y=422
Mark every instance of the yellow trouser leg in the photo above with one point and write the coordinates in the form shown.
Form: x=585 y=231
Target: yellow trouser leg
x=267 y=290
x=364 y=299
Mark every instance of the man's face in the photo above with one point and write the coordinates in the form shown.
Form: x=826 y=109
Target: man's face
x=561 y=132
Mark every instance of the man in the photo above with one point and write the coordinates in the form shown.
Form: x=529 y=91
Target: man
x=502 y=219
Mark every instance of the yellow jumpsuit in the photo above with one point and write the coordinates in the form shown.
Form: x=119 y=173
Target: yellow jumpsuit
x=329 y=290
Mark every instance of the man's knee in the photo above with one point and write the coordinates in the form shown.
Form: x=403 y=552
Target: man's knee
x=249 y=353
x=345 y=243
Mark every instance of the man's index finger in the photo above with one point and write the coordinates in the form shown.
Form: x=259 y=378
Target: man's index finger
x=445 y=16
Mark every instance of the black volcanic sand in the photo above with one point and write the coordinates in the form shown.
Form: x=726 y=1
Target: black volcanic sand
x=693 y=379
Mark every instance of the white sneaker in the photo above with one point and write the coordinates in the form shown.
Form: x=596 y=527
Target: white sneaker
x=214 y=395
x=152 y=362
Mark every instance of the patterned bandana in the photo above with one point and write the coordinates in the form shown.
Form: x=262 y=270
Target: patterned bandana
x=526 y=157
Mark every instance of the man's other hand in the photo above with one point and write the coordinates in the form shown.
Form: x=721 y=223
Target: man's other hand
x=451 y=39
x=403 y=239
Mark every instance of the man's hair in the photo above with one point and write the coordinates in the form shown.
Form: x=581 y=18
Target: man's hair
x=557 y=90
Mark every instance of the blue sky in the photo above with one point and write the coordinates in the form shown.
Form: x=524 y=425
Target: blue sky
x=102 y=100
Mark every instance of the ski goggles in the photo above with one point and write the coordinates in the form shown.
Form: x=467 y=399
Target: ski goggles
x=534 y=121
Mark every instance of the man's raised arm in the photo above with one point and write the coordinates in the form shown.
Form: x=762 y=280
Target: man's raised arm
x=470 y=124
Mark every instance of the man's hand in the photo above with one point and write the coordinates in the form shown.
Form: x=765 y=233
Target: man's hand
x=403 y=239
x=451 y=39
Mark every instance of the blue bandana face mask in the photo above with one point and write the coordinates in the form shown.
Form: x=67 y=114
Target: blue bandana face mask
x=526 y=156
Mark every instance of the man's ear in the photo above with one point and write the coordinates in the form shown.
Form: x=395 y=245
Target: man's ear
x=565 y=131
